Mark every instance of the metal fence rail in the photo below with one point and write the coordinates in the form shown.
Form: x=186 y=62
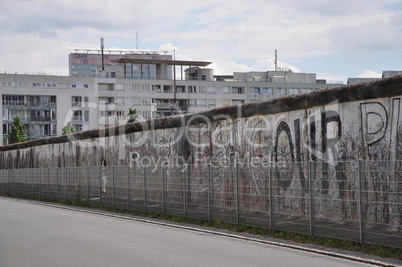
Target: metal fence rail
x=356 y=200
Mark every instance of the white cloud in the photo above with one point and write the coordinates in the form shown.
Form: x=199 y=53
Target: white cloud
x=370 y=74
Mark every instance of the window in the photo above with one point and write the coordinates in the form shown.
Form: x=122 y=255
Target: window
x=136 y=101
x=147 y=101
x=238 y=90
x=226 y=102
x=119 y=87
x=106 y=114
x=193 y=102
x=76 y=101
x=13 y=100
x=86 y=115
x=255 y=90
x=146 y=87
x=226 y=90
x=5 y=129
x=202 y=102
x=293 y=91
x=33 y=84
x=192 y=89
x=106 y=86
x=237 y=102
x=136 y=87
x=120 y=114
x=203 y=77
x=280 y=91
x=203 y=89
x=146 y=114
x=80 y=86
x=306 y=90
x=106 y=100
x=5 y=114
x=119 y=100
x=266 y=90
x=77 y=128
x=212 y=102
x=50 y=85
x=180 y=89
x=167 y=89
x=63 y=85
x=211 y=90
x=77 y=116
x=156 y=88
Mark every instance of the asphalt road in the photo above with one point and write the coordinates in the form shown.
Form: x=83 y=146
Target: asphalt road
x=37 y=235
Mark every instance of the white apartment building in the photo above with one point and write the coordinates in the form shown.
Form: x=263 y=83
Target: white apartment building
x=99 y=98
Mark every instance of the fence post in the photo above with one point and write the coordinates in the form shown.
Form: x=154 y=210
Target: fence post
x=65 y=179
x=185 y=175
x=209 y=192
x=128 y=187
x=26 y=184
x=33 y=184
x=271 y=204
x=48 y=182
x=88 y=187
x=100 y=185
x=57 y=184
x=19 y=182
x=237 y=194
x=163 y=189
x=145 y=189
x=40 y=183
x=11 y=187
x=113 y=186
x=76 y=185
x=8 y=182
x=360 y=194
x=310 y=192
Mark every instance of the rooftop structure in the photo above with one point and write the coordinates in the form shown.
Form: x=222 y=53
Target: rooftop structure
x=385 y=74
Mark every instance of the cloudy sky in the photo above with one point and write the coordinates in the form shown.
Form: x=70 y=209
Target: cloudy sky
x=336 y=39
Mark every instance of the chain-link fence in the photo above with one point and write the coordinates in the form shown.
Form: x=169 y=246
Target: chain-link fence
x=356 y=200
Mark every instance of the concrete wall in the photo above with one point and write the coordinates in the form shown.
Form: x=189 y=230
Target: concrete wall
x=354 y=122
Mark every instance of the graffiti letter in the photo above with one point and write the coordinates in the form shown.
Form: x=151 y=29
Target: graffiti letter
x=374 y=121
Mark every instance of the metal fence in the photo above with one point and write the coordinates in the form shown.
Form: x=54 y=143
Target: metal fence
x=356 y=200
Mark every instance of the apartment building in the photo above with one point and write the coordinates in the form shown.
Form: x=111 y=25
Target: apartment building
x=155 y=85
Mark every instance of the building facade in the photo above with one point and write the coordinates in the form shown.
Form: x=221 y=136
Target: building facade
x=149 y=84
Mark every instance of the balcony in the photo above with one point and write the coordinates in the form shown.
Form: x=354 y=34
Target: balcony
x=77 y=118
x=39 y=118
x=77 y=104
x=29 y=105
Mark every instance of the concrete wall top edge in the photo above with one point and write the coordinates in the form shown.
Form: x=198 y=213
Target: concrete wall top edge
x=381 y=88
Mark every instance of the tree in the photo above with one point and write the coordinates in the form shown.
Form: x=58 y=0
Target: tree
x=132 y=115
x=68 y=129
x=17 y=133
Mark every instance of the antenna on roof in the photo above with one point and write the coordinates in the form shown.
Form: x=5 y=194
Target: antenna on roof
x=102 y=47
x=136 y=36
x=276 y=60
